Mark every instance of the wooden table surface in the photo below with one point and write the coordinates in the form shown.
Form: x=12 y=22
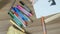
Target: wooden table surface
x=53 y=27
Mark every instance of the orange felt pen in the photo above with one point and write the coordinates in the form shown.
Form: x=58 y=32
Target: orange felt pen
x=43 y=25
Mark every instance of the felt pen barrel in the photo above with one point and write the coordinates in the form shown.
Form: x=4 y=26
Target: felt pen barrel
x=43 y=25
x=15 y=19
x=25 y=6
x=17 y=25
x=19 y=20
x=23 y=22
x=24 y=11
x=24 y=17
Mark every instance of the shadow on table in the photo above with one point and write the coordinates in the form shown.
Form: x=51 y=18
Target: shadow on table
x=3 y=3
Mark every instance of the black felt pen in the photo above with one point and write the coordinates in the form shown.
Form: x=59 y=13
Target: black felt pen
x=25 y=6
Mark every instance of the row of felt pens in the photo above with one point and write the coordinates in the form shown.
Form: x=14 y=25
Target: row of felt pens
x=20 y=15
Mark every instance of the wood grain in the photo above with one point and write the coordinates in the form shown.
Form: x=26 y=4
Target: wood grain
x=53 y=27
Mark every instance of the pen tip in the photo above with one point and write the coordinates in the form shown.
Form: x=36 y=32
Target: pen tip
x=21 y=2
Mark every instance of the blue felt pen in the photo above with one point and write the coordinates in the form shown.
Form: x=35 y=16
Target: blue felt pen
x=15 y=19
x=23 y=21
x=24 y=17
x=20 y=20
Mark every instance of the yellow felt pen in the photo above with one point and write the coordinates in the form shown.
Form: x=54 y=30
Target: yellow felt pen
x=17 y=25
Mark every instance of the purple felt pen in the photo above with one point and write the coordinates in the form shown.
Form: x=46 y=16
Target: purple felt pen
x=24 y=11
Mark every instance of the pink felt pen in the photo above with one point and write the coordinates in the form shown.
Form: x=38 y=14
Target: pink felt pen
x=24 y=11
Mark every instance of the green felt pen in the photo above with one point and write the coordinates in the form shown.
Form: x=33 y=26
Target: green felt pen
x=15 y=19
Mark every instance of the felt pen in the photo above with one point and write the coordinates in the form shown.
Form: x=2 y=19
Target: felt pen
x=24 y=22
x=21 y=21
x=15 y=19
x=25 y=6
x=24 y=17
x=20 y=18
x=43 y=25
x=24 y=11
x=17 y=25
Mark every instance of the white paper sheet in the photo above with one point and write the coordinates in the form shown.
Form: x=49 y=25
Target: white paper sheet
x=44 y=8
